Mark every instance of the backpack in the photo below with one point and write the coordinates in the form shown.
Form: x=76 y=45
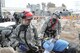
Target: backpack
x=8 y=31
x=5 y=33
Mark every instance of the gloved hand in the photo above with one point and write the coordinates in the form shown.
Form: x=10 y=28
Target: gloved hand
x=40 y=36
x=57 y=37
x=23 y=47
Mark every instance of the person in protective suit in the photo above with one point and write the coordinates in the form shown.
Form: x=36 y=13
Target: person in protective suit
x=24 y=38
x=51 y=25
x=51 y=40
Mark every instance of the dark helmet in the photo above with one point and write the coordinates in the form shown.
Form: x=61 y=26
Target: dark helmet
x=57 y=15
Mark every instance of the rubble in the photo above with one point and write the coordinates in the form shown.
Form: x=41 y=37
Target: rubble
x=7 y=50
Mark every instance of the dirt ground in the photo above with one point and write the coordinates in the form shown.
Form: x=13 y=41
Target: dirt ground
x=70 y=32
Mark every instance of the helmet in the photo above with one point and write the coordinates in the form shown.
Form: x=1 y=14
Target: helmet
x=60 y=45
x=56 y=14
x=26 y=15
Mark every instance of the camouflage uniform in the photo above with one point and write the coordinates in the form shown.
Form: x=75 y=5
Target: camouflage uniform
x=57 y=27
x=31 y=37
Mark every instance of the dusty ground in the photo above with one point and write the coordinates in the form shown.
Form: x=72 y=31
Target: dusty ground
x=70 y=32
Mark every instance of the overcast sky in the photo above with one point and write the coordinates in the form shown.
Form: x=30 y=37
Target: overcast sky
x=71 y=4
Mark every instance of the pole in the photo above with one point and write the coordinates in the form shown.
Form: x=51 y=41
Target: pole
x=0 y=8
x=0 y=11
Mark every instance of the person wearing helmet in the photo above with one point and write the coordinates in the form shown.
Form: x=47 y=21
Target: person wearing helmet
x=50 y=41
x=24 y=37
x=50 y=31
x=51 y=25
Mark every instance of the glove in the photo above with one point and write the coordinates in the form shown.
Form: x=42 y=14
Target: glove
x=40 y=36
x=57 y=37
x=23 y=47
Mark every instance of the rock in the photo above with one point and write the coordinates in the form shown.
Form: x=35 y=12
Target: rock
x=7 y=50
